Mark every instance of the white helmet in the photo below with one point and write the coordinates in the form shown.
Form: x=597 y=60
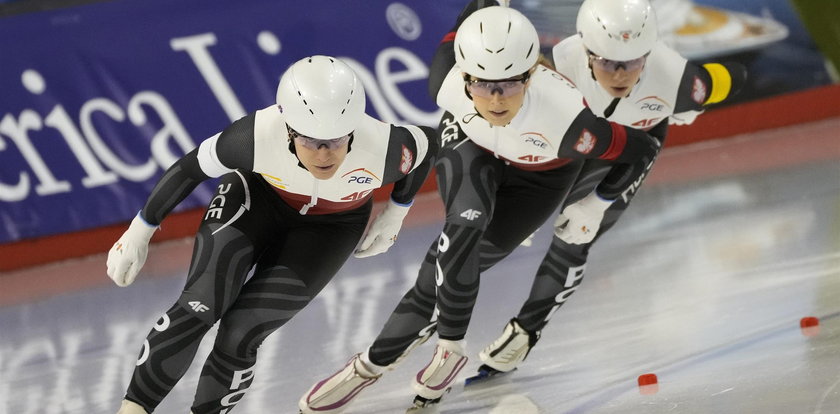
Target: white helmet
x=617 y=29
x=321 y=97
x=496 y=43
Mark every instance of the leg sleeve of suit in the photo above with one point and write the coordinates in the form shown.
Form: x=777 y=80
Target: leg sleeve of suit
x=411 y=319
x=222 y=256
x=562 y=269
x=291 y=271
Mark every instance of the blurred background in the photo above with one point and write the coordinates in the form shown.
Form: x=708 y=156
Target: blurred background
x=99 y=97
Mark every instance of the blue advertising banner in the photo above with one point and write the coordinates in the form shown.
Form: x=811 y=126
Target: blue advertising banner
x=98 y=100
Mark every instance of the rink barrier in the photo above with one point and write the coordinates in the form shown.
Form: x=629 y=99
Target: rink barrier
x=774 y=112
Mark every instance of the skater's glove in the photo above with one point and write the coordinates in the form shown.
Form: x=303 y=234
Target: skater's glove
x=383 y=232
x=129 y=252
x=580 y=221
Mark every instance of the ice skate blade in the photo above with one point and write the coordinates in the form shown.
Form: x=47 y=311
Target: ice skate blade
x=425 y=405
x=484 y=375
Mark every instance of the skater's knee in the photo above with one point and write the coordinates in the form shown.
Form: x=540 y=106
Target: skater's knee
x=239 y=340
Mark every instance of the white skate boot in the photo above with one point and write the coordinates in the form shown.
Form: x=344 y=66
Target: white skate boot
x=434 y=380
x=333 y=394
x=506 y=352
x=129 y=407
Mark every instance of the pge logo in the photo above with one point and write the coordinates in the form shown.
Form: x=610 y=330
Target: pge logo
x=535 y=139
x=653 y=104
x=360 y=176
x=657 y=107
x=360 y=180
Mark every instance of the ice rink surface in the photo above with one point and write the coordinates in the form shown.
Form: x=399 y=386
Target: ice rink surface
x=703 y=282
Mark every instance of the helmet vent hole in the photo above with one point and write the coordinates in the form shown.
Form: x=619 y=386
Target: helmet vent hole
x=510 y=25
x=509 y=66
x=310 y=111
x=480 y=66
x=481 y=27
x=531 y=49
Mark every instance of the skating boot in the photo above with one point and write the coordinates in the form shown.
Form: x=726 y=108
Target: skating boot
x=333 y=395
x=506 y=352
x=436 y=378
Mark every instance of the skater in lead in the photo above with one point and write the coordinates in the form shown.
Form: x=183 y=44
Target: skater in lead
x=633 y=80
x=285 y=207
x=512 y=143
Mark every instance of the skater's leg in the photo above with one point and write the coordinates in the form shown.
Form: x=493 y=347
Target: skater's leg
x=413 y=320
x=171 y=345
x=285 y=280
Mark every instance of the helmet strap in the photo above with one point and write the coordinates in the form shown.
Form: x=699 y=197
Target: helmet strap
x=294 y=152
x=292 y=146
x=466 y=91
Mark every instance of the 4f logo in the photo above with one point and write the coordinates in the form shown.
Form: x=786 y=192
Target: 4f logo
x=532 y=158
x=646 y=123
x=471 y=214
x=356 y=196
x=198 y=306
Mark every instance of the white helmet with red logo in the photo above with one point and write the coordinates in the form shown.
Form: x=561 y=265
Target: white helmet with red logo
x=496 y=43
x=321 y=97
x=617 y=29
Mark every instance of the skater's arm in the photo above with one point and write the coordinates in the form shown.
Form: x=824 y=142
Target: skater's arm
x=232 y=148
x=702 y=86
x=411 y=156
x=221 y=153
x=406 y=145
x=593 y=137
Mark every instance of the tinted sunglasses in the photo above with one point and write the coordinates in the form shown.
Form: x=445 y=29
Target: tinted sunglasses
x=613 y=65
x=316 y=143
x=486 y=89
